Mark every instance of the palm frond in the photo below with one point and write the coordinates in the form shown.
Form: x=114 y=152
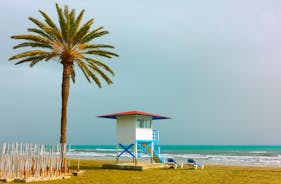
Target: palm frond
x=78 y=21
x=82 y=67
x=72 y=73
x=82 y=31
x=101 y=73
x=39 y=32
x=88 y=73
x=31 y=59
x=93 y=31
x=35 y=61
x=52 y=29
x=102 y=53
x=96 y=79
x=29 y=53
x=51 y=55
x=31 y=37
x=66 y=12
x=67 y=21
x=37 y=22
x=33 y=44
x=97 y=46
x=72 y=23
x=54 y=34
x=48 y=20
x=100 y=64
x=94 y=34
x=62 y=22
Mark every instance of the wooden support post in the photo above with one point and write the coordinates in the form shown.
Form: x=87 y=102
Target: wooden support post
x=117 y=153
x=136 y=149
x=135 y=152
x=78 y=164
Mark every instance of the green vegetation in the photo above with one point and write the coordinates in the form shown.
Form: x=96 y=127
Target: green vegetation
x=210 y=175
x=70 y=43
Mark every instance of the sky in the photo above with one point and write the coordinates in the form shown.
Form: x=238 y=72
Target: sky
x=213 y=66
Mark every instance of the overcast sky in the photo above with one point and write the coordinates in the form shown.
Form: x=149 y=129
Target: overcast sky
x=213 y=66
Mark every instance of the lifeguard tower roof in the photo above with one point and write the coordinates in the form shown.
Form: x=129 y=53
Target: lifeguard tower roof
x=114 y=115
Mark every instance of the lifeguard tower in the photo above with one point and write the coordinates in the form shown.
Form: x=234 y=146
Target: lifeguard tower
x=135 y=135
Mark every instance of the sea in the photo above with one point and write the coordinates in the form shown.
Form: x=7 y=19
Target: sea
x=242 y=155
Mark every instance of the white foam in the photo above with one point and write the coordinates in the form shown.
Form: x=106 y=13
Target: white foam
x=113 y=150
x=250 y=158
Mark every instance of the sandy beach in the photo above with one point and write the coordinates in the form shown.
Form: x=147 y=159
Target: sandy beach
x=210 y=175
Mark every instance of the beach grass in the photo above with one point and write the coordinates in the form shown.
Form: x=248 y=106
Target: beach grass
x=210 y=175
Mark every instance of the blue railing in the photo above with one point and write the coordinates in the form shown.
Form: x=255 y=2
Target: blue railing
x=155 y=135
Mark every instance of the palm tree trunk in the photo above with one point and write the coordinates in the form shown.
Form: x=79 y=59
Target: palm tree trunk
x=64 y=94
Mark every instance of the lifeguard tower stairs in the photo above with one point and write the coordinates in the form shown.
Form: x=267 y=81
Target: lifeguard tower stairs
x=150 y=147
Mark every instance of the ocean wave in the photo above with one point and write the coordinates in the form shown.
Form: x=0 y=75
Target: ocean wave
x=253 y=158
x=89 y=154
x=93 y=149
x=232 y=159
x=258 y=152
x=99 y=149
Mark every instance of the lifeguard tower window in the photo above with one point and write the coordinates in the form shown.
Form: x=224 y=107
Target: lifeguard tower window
x=141 y=123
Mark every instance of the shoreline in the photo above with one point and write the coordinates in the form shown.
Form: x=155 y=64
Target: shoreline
x=208 y=164
x=98 y=163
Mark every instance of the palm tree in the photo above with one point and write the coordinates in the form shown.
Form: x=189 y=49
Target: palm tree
x=71 y=43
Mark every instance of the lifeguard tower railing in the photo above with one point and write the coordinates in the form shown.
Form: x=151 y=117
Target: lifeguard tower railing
x=145 y=146
x=157 y=150
x=155 y=135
